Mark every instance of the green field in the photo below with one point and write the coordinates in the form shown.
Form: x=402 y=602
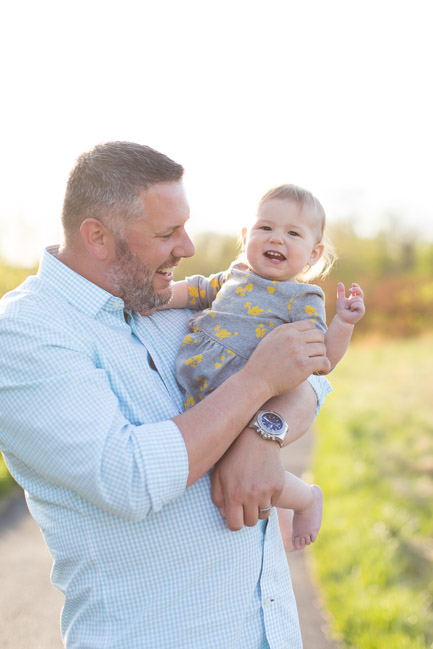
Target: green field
x=9 y=278
x=374 y=461
x=7 y=483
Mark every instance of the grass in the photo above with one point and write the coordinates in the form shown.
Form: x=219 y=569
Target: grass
x=374 y=461
x=9 y=278
x=7 y=483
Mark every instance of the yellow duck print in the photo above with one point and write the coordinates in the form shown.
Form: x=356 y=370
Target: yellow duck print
x=195 y=360
x=188 y=340
x=223 y=333
x=223 y=358
x=189 y=402
x=242 y=290
x=215 y=285
x=271 y=289
x=311 y=311
x=194 y=293
x=253 y=310
x=261 y=331
x=203 y=384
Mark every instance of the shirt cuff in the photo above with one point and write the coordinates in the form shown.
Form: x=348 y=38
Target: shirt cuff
x=166 y=462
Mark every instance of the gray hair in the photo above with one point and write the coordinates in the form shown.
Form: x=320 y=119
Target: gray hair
x=106 y=184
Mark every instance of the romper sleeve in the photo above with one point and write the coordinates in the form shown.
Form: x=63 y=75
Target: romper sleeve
x=309 y=304
x=203 y=290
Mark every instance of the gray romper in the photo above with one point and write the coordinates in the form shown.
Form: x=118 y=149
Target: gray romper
x=240 y=308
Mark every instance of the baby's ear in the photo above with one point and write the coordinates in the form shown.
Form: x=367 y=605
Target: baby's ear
x=244 y=238
x=316 y=253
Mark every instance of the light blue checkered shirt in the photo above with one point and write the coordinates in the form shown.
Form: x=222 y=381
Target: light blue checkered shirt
x=86 y=429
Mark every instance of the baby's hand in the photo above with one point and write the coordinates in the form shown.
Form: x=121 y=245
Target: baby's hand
x=350 y=309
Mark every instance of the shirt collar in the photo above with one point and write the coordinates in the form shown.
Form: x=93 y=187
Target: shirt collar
x=76 y=289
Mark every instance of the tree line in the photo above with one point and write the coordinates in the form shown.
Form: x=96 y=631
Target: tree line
x=394 y=269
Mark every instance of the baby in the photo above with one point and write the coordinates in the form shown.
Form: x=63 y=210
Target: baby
x=261 y=290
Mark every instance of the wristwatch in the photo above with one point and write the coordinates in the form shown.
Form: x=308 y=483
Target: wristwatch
x=269 y=425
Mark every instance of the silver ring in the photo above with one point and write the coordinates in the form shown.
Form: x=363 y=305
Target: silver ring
x=265 y=510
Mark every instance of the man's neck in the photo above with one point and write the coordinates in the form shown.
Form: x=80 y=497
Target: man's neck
x=81 y=262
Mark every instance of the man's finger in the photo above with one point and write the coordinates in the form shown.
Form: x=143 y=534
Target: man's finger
x=234 y=517
x=217 y=490
x=316 y=349
x=265 y=511
x=320 y=365
x=251 y=514
x=301 y=325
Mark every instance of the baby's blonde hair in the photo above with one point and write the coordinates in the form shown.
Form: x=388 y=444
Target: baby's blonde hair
x=304 y=197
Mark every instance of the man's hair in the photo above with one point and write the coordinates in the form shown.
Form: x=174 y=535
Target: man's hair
x=106 y=184
x=303 y=197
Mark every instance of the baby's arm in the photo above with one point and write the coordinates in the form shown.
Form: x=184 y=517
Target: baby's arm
x=179 y=298
x=348 y=312
x=307 y=502
x=195 y=292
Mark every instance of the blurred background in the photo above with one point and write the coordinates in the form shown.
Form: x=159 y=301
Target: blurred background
x=333 y=96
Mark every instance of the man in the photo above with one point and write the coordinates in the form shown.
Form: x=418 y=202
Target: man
x=91 y=426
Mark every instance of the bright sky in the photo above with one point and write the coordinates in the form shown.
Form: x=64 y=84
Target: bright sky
x=332 y=95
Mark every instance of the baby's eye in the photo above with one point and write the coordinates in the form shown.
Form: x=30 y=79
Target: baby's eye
x=266 y=227
x=293 y=233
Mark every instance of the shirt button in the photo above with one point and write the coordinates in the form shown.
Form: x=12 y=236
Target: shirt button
x=268 y=601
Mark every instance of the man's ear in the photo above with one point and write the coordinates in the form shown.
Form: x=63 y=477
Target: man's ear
x=97 y=238
x=316 y=253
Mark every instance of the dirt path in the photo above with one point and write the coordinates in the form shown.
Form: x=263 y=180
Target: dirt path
x=30 y=606
x=314 y=624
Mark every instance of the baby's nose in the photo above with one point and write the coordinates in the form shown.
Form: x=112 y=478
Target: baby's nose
x=276 y=237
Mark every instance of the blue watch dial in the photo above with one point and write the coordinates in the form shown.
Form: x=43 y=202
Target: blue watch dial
x=272 y=421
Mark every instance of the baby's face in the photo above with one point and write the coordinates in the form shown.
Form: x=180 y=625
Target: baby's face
x=284 y=239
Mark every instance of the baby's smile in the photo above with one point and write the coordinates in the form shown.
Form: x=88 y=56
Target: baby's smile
x=273 y=255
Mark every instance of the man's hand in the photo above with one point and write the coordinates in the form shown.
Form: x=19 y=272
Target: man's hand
x=287 y=356
x=249 y=477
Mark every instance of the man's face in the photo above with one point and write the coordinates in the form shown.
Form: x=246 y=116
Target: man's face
x=142 y=271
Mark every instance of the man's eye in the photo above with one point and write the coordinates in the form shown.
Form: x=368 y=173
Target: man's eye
x=166 y=236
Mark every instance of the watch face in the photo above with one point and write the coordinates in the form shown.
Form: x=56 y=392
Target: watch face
x=271 y=421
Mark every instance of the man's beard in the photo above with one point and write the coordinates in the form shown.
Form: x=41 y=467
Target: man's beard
x=131 y=280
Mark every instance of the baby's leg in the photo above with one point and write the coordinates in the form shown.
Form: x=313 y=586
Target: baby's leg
x=285 y=521
x=307 y=502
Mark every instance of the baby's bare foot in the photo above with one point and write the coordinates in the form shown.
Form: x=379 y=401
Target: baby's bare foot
x=306 y=524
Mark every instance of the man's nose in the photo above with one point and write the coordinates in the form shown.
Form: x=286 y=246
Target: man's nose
x=185 y=248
